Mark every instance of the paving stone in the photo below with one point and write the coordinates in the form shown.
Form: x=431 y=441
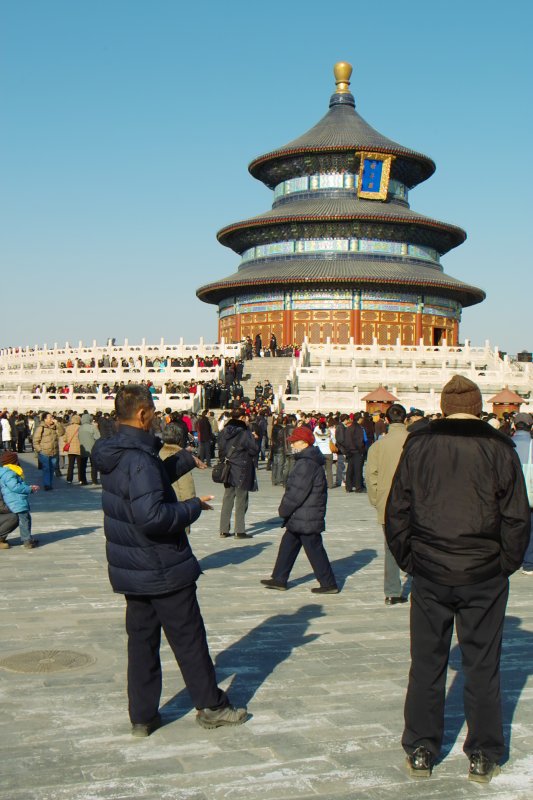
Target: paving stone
x=324 y=677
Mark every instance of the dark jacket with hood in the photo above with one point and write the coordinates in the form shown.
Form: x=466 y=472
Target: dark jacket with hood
x=303 y=506
x=457 y=512
x=236 y=443
x=147 y=549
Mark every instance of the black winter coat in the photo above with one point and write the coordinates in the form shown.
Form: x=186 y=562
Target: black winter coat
x=278 y=439
x=303 y=506
x=236 y=443
x=147 y=549
x=457 y=512
x=354 y=439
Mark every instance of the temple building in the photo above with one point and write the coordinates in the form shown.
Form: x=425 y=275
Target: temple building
x=341 y=255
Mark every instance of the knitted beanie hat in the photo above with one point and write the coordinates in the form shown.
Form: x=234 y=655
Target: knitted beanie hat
x=461 y=396
x=8 y=458
x=302 y=434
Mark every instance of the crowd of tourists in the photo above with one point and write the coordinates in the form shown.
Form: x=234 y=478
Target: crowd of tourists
x=135 y=364
x=225 y=392
x=453 y=492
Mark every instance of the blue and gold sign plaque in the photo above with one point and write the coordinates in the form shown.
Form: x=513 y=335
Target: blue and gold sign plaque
x=374 y=176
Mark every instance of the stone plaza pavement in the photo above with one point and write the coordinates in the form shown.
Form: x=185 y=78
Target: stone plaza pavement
x=323 y=676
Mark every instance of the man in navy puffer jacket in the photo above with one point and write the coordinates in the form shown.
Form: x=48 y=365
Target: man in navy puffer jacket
x=152 y=564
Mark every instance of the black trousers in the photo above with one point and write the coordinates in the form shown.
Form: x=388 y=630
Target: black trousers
x=178 y=614
x=354 y=471
x=479 y=612
x=73 y=459
x=290 y=546
x=83 y=470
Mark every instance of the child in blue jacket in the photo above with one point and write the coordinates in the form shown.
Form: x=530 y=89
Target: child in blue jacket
x=16 y=492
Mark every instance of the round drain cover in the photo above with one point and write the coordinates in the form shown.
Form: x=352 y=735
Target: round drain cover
x=46 y=661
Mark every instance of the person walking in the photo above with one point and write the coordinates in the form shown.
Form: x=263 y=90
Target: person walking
x=46 y=445
x=303 y=510
x=240 y=448
x=151 y=563
x=382 y=460
x=457 y=520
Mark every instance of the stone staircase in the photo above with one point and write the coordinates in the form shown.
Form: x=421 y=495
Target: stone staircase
x=276 y=370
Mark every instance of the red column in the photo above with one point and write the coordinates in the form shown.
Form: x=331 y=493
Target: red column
x=355 y=319
x=356 y=326
x=419 y=331
x=237 y=327
x=287 y=327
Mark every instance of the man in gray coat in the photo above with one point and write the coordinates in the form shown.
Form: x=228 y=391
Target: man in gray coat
x=382 y=460
x=88 y=434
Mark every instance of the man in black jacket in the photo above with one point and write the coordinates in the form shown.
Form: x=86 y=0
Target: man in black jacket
x=152 y=564
x=353 y=446
x=457 y=519
x=240 y=447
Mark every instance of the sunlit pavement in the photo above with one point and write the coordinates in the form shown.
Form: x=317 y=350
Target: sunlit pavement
x=323 y=676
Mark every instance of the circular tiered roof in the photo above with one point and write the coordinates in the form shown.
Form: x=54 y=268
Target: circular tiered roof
x=305 y=218
x=338 y=210
x=354 y=271
x=335 y=142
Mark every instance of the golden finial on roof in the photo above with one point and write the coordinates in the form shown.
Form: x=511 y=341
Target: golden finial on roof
x=343 y=72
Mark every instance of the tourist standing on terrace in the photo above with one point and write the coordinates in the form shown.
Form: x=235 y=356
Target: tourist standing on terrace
x=152 y=564
x=46 y=445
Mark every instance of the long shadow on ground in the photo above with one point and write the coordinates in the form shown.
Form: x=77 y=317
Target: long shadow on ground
x=264 y=525
x=252 y=659
x=45 y=538
x=232 y=555
x=516 y=667
x=342 y=567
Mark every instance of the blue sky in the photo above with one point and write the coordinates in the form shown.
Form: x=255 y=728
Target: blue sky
x=127 y=127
